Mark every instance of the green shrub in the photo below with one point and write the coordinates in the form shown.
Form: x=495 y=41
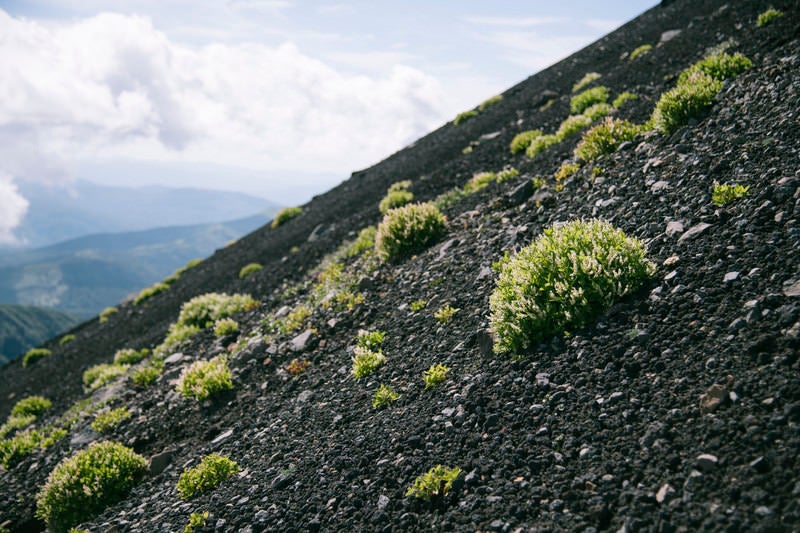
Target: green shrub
x=725 y=193
x=641 y=50
x=146 y=375
x=204 y=378
x=605 y=138
x=291 y=322
x=464 y=116
x=66 y=339
x=175 y=336
x=196 y=520
x=566 y=170
x=489 y=102
x=417 y=305
x=720 y=67
x=363 y=243
x=538 y=182
x=384 y=396
x=445 y=313
x=285 y=215
x=399 y=186
x=588 y=78
x=371 y=340
x=225 y=326
x=521 y=141
x=435 y=482
x=14 y=449
x=202 y=311
x=175 y=276
x=565 y=278
x=14 y=423
x=106 y=314
x=479 y=181
x=297 y=367
x=407 y=230
x=366 y=361
x=31 y=406
x=33 y=355
x=507 y=174
x=598 y=111
x=212 y=470
x=81 y=486
x=129 y=356
x=107 y=420
x=250 y=268
x=768 y=16
x=685 y=101
x=148 y=292
x=395 y=199
x=622 y=98
x=435 y=375
x=581 y=101
x=450 y=198
x=572 y=125
x=98 y=375
x=540 y=144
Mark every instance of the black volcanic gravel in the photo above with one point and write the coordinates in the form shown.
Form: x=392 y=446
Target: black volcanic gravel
x=601 y=430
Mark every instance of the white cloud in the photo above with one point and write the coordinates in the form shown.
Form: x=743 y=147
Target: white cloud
x=114 y=86
x=603 y=25
x=12 y=210
x=532 y=50
x=516 y=22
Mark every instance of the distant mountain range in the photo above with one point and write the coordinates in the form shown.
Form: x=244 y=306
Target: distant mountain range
x=84 y=275
x=57 y=214
x=23 y=327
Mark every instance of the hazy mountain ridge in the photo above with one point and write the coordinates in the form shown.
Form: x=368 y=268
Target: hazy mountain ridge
x=23 y=327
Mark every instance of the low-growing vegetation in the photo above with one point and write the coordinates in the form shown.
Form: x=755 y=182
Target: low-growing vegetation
x=605 y=138
x=297 y=367
x=130 y=356
x=196 y=520
x=407 y=230
x=398 y=195
x=720 y=67
x=81 y=486
x=225 y=327
x=445 y=313
x=33 y=355
x=723 y=194
x=202 y=379
x=384 y=396
x=768 y=16
x=565 y=278
x=583 y=100
x=436 y=482
x=540 y=144
x=640 y=51
x=572 y=125
x=250 y=268
x=107 y=313
x=212 y=470
x=489 y=102
x=146 y=375
x=31 y=406
x=417 y=305
x=521 y=141
x=66 y=339
x=435 y=375
x=99 y=375
x=285 y=215
x=588 y=78
x=366 y=361
x=687 y=100
x=148 y=292
x=107 y=420
x=566 y=170
x=13 y=449
x=622 y=98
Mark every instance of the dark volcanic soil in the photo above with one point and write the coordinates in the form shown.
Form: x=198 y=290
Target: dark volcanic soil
x=601 y=430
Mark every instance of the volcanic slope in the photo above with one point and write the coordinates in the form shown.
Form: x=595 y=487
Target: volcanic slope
x=678 y=409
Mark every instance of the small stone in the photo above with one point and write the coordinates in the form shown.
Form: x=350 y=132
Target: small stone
x=763 y=510
x=737 y=324
x=615 y=397
x=669 y=35
x=160 y=461
x=694 y=231
x=299 y=343
x=674 y=227
x=485 y=272
x=280 y=482
x=665 y=492
x=671 y=260
x=520 y=193
x=283 y=311
x=706 y=462
x=305 y=396
x=543 y=379
x=174 y=358
x=659 y=186
x=759 y=464
x=730 y=276
x=383 y=501
x=714 y=396
x=670 y=276
x=791 y=288
x=222 y=436
x=261 y=516
x=585 y=452
x=365 y=283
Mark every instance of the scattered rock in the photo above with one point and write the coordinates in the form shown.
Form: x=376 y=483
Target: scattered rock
x=664 y=493
x=160 y=461
x=730 y=276
x=791 y=288
x=694 y=231
x=706 y=462
x=668 y=36
x=299 y=343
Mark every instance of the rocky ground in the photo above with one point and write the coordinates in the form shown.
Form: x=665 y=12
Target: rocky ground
x=677 y=410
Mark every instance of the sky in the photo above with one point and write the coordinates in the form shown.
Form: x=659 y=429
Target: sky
x=281 y=99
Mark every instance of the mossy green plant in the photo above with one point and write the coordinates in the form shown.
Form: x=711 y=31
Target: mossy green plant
x=408 y=230
x=212 y=470
x=588 y=78
x=725 y=193
x=14 y=449
x=105 y=421
x=605 y=138
x=31 y=406
x=99 y=375
x=395 y=199
x=568 y=276
x=685 y=101
x=250 y=268
x=364 y=242
x=464 y=116
x=435 y=375
x=489 y=102
x=417 y=305
x=540 y=144
x=366 y=361
x=225 y=327
x=130 y=356
x=583 y=100
x=107 y=313
x=720 y=67
x=506 y=174
x=445 y=313
x=436 y=482
x=285 y=215
x=768 y=16
x=148 y=374
x=567 y=169
x=622 y=98
x=479 y=181
x=599 y=110
x=196 y=520
x=384 y=396
x=81 y=486
x=66 y=339
x=371 y=340
x=149 y=292
x=571 y=125
x=640 y=51
x=522 y=140
x=202 y=379
x=33 y=355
